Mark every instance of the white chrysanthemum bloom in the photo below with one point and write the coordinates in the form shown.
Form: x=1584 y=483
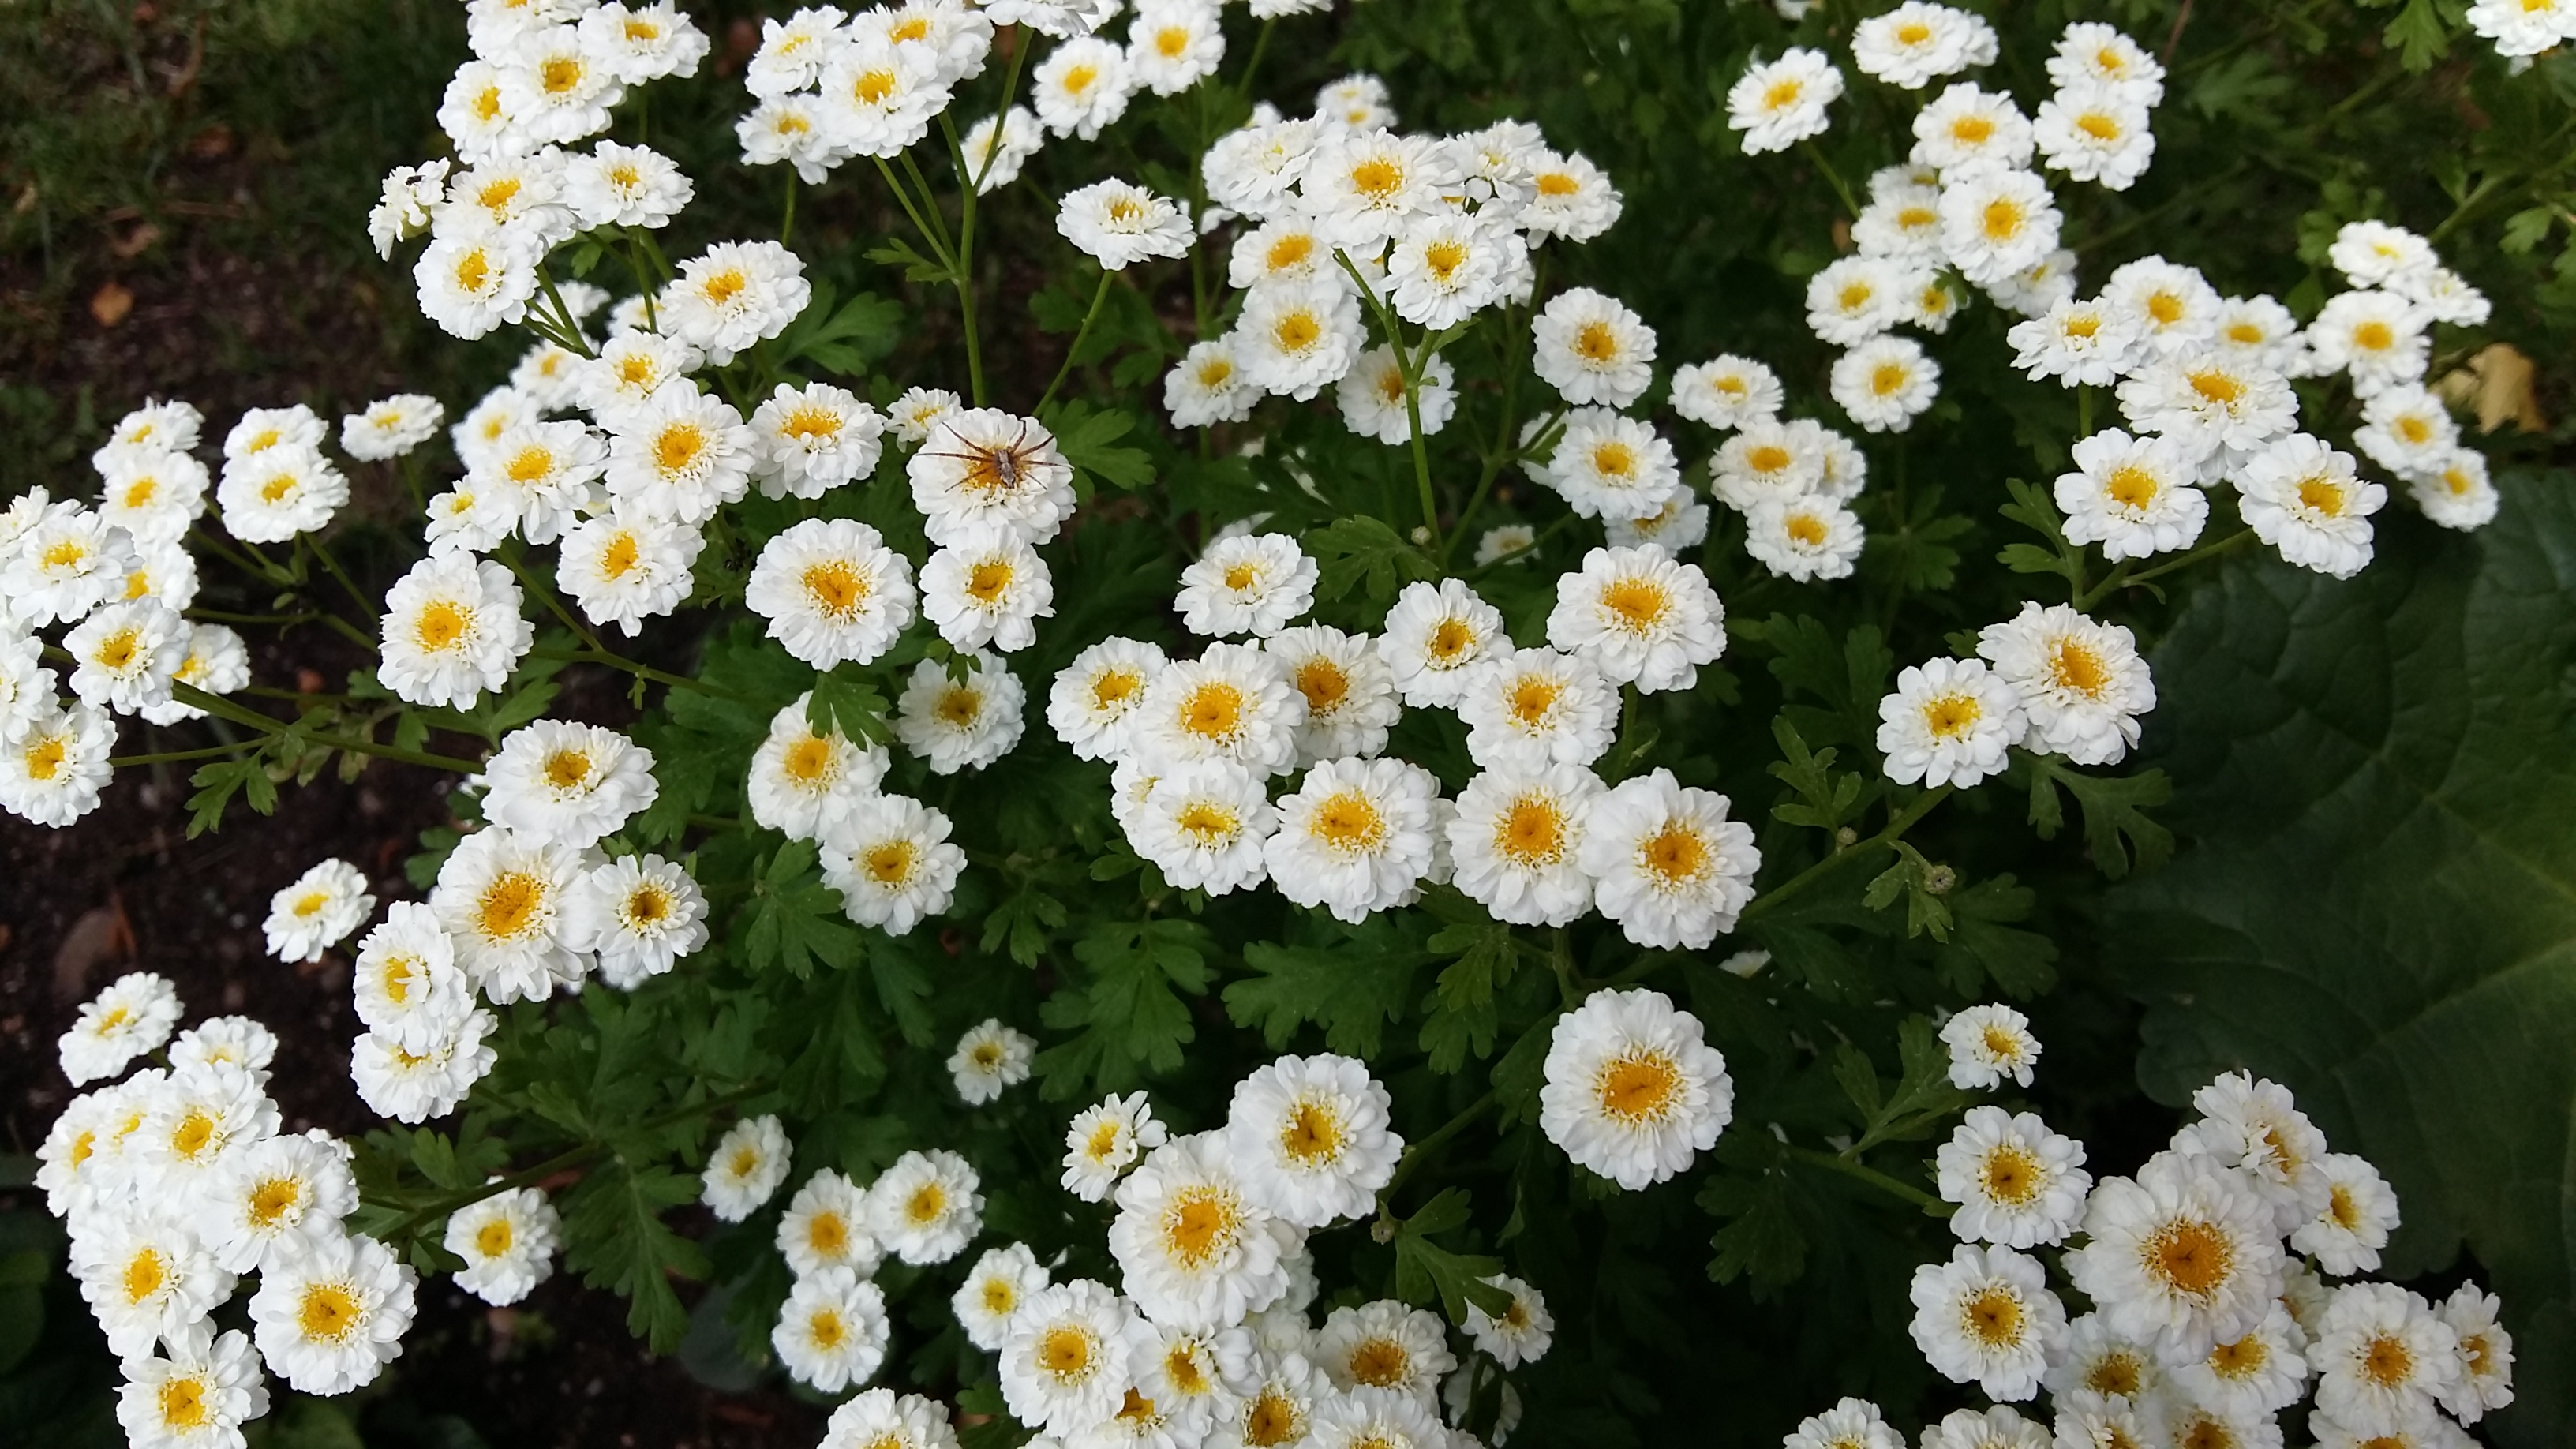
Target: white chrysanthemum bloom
x=1247 y=583
x=126 y=655
x=132 y=1016
x=1986 y=1317
x=1948 y=722
x=2132 y=495
x=2522 y=28
x=832 y=591
x=1287 y=248
x=960 y=724
x=826 y=1226
x=1780 y=103
x=1804 y=537
x=2260 y=330
x=1902 y=222
x=1994 y=1428
x=408 y=988
x=508 y=1242
x=1915 y=43
x=391 y=427
x=556 y=90
x=145 y=1275
x=567 y=782
x=1196 y=1379
x=626 y=565
x=2458 y=494
x=318 y=911
x=1530 y=708
x=631 y=367
x=1592 y=349
x=1885 y=383
x=1995 y=224
x=538 y=476
x=196 y=1394
x=2256 y=1127
x=1364 y=1417
x=231 y=1041
x=1091 y=706
x=2375 y=254
x=1613 y=467
x=1371 y=397
x=1726 y=392
x=1310 y=1138
x=452 y=631
x=2032 y=291
x=2303 y=498
x=1254 y=169
x=1204 y=827
x=503 y=900
x=792 y=51
x=2089 y=52
x=1666 y=863
x=477 y=433
x=153 y=495
x=1365 y=186
x=2017 y=1183
x=2485 y=1381
x=880 y=1419
x=639 y=914
x=1516 y=842
x=79 y=1165
x=1640 y=616
x=2218 y=409
x=2381 y=338
x=1767 y=459
x=2095 y=1362
x=2077 y=343
x=990 y=1058
x=1855 y=298
x=2182 y=1257
x=156 y=429
x=982 y=471
x=1356 y=102
x=680 y=454
x=622 y=186
x=1196 y=1249
x=1208 y=386
x=813 y=439
x=1082 y=87
x=1355 y=837
x=2174 y=307
x=2407 y=430
x=1435 y=636
x=796 y=129
x=2445 y=296
x=1505 y=541
x=1386 y=1347
x=745 y=1167
x=1234 y=703
x=26 y=687
x=832 y=1331
x=192 y=1125
x=2381 y=1357
x=52 y=771
x=639 y=43
x=733 y=295
x=63 y=562
x=1445 y=267
x=891 y=860
x=1118 y=224
x=1566 y=194
x=806 y=782
x=1633 y=1090
x=1350 y=694
x=1521 y=1333
x=2359 y=1213
x=2096 y=133
x=2081 y=683
x=879 y=97
x=996 y=147
x=1065 y=1363
x=331 y=1320
x=475 y=279
x=2260 y=1374
x=415 y=1085
x=1002 y=1283
x=1988 y=1043
x=1297 y=337
x=987 y=590
x=1105 y=1140
x=926 y=1207
x=1282 y=1392
x=1966 y=128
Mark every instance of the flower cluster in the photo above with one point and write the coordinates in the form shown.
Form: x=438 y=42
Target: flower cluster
x=2050 y=680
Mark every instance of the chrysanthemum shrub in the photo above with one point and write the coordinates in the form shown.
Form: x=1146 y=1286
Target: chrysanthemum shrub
x=1256 y=822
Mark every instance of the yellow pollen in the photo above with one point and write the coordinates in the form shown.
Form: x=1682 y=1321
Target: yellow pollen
x=1377 y=177
x=1214 y=372
x=1558 y=183
x=988 y=581
x=1596 y=343
x=44 y=757
x=2342 y=1209
x=1638 y=1088
x=1104 y=1140
x=911 y=27
x=620 y=557
x=746 y=1161
x=2240 y=1360
x=196 y=1132
x=117 y=650
x=144 y=1275
x=1323 y=683
x=1079 y=78
x=1206 y=823
x=808 y=760
x=2131 y=486
x=1313 y=1134
x=1886 y=378
x=1972 y=130
x=926 y=1204
x=2457 y=480
x=1638 y=604
x=2165 y=307
x=2118 y=1372
x=1241 y=577
x=1272 y=1420
x=2003 y=219
x=1214 y=711
x=2074 y=666
x=836 y=587
x=1617 y=460
x=825 y=1329
x=2086 y=325
x=473 y=272
x=2414 y=429
x=873 y=87
x=565 y=769
x=724 y=286
x=487 y=105
x=1993 y=1317
x=1173 y=41
x=1182 y=1368
x=2190 y=1257
x=1532 y=697
x=1349 y=823
x=2100 y=125
x=1913 y=32
x=1289 y=251
x=138 y=494
x=278 y=486
x=1444 y=257
x=2374 y=336
x=1000 y=1297
x=959 y=707
x=560 y=74
x=826 y=1234
x=1296 y=331
x=1949 y=716
x=1767 y=458
x=2321 y=495
x=1854 y=296
x=2387 y=1362
x=510 y=905
x=1065 y=1352
x=493 y=1238
x=1805 y=529
x=497 y=194
x=678 y=446
x=2244 y=334
x=1115 y=688
x=1783 y=93
x=641 y=30
x=1531 y=832
x=1916 y=218
x=2011 y=1174
x=1380 y=1363
x=890 y=863
x=441 y=625
x=625 y=176
x=649 y=904
x=1200 y=1221
x=1674 y=856
x=327 y=1313
x=397 y=979
x=182 y=1403
x=2216 y=387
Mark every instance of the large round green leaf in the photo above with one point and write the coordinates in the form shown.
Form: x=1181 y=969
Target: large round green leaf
x=2378 y=904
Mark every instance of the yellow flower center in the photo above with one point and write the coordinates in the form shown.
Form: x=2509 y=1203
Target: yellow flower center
x=2387 y=1362
x=1378 y=178
x=2240 y=1360
x=2073 y=665
x=509 y=905
x=2190 y=1257
x=1297 y=331
x=1993 y=1317
x=1783 y=93
x=622 y=554
x=723 y=286
x=808 y=760
x=889 y=864
x=1066 y=1351
x=1639 y=1087
x=1950 y=716
x=836 y=587
x=2100 y=125
x=145 y=1274
x=1887 y=377
x=1200 y=1222
x=182 y=1404
x=493 y=1238
x=1312 y=1135
x=1531 y=832
x=1272 y=1420
x=1972 y=130
x=2003 y=219
x=988 y=581
x=1214 y=711
x=2131 y=486
x=1206 y=822
x=560 y=74
x=2011 y=1175
x=959 y=707
x=328 y=1312
x=1349 y=822
x=2374 y=336
x=1596 y=343
x=1380 y=1363
x=2322 y=495
x=1674 y=856
x=1805 y=529
x=678 y=446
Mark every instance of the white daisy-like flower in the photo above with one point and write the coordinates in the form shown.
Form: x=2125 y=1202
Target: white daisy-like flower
x=1365 y=1418
x=2381 y=338
x=2407 y=430
x=1082 y=87
x=1987 y=1044
x=892 y=862
x=1519 y=1334
x=318 y=911
x=1505 y=541
x=622 y=186
x=1640 y=616
x=1614 y=467
x=2217 y=409
x=1384 y=1348
x=2359 y=1212
x=126 y=655
x=796 y=129
x=1253 y=169
x=1885 y=383
x=733 y=295
x=1065 y=1364
x=2174 y=307
x=452 y=631
x=1948 y=722
x=1350 y=694
x=1516 y=842
x=997 y=1288
x=216 y=660
x=630 y=368
x=813 y=439
x=960 y=724
x=2256 y=1127
x=391 y=427
x=1310 y=1137
x=680 y=454
x=2182 y=1257
x=1966 y=128
x=1365 y=185
x=1204 y=827
x=1209 y=386
x=1666 y=862
x=51 y=773
x=2521 y=28
x=1196 y=1379
x=1445 y=267
x=408 y=988
x=2304 y=498
x=1633 y=1090
x=2374 y=253
x=1986 y=1317
x=1849 y=1424
x=2017 y=1183
x=792 y=51
x=879 y=97
x=2096 y=1362
x=920 y=409
x=415 y=1085
x=330 y=1321
x=1297 y=337
x=134 y=1015
x=1287 y=248
x=1568 y=195
x=62 y=563
x=1726 y=392
x=832 y=591
x=157 y=428
x=981 y=471
x=826 y=1226
x=1916 y=43
x=1804 y=537
x=2262 y=1373
x=1371 y=397
x=503 y=900
x=1855 y=298
x=2132 y=495
x=508 y=1242
x=639 y=914
x=988 y=590
x=832 y=1330
x=1997 y=223
x=881 y=1419
x=997 y=147
x=1592 y=349
x=1355 y=836
x=1118 y=224
x=146 y=1275
x=639 y=43
x=274 y=495
x=232 y=1041
x=475 y=279
x=2081 y=683
x=1105 y=1140
x=198 y=1391
x=2382 y=1356
x=1779 y=103
x=566 y=782
x=1358 y=102
x=2098 y=54
x=806 y=782
x=193 y=1124
x=2077 y=343
x=990 y=1059
x=1434 y=638
x=1234 y=703
x=1902 y=221
x=2485 y=1381
x=745 y=1167
x=1091 y=706
x=1196 y=1248
x=1530 y=708
x=2458 y=494
x=1994 y=1428
x=1255 y=583
x=1767 y=459
x=153 y=495
x=2096 y=133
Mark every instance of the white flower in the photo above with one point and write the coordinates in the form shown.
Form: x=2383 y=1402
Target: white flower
x=1643 y=618
x=153 y=495
x=1384 y=1350
x=1350 y=694
x=199 y=1392
x=1995 y=224
x=452 y=630
x=2016 y=1183
x=1516 y=841
x=832 y=1330
x=1355 y=836
x=1986 y=1317
x=1902 y=221
x=2096 y=133
x=1365 y=185
x=415 y=1085
x=145 y=1275
x=792 y=51
x=272 y=496
x=679 y=454
x=408 y=988
x=1310 y=1137
x=1204 y=827
x=2081 y=683
x=1987 y=1044
x=626 y=565
x=1633 y=1090
x=1208 y=386
x=625 y=186
x=1948 y=722
x=1804 y=537
x=1726 y=392
x=1666 y=863
x=1118 y=223
x=989 y=1059
x=1371 y=397
x=2407 y=430
x=1065 y=1362
x=639 y=914
x=126 y=655
x=1855 y=298
x=2175 y=308
x=879 y=1419
x=1234 y=703
x=193 y=1123
x=132 y=1016
x=2359 y=1212
x=52 y=771
x=891 y=860
x=1435 y=636
x=330 y=1321
x=2381 y=1357
x=1105 y=1140
x=2133 y=496
x=2256 y=1127
x=2520 y=27
x=832 y=591
x=2077 y=343
x=1609 y=466
x=233 y=1041
x=503 y=899
x=1365 y=1417
x=806 y=783
x=796 y=129
x=2091 y=52
x=1767 y=459
x=1001 y=1283
x=2262 y=1373
x=1914 y=43
x=216 y=660
x=1592 y=349
x=2095 y=1362
x=569 y=783
x=1568 y=196
x=1530 y=708
x=987 y=590
x=390 y=427
x=1174 y=44
x=1082 y=87
x=318 y=911
x=2381 y=338
x=981 y=471
x=879 y=96
x=1521 y=1333
x=2485 y=1381
x=476 y=279
x=1778 y=104
x=2182 y=1257
x=2458 y=494
x=733 y=295
x=956 y=724
x=1445 y=267
x=745 y=1167
x=63 y=562
x=2303 y=498
x=1966 y=128
x=1091 y=706
x=1296 y=337
x=996 y=147
x=639 y=43
x=1253 y=583
x=1885 y=383
x=813 y=439
x=508 y=1242
x=1251 y=170
x=826 y=1226
x=1195 y=1247
x=1287 y=248
x=1995 y=1428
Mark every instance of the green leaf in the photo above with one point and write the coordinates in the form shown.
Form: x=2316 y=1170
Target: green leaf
x=896 y=252
x=2116 y=824
x=1367 y=553
x=2379 y=906
x=864 y=329
x=795 y=918
x=1759 y=1237
x=1825 y=800
x=1922 y=883
x=1352 y=995
x=1984 y=943
x=2418 y=35
x=1129 y=1019
x=1461 y=1017
x=614 y=1237
x=218 y=782
x=853 y=706
x=2525 y=230
x=1425 y=1271
x=1088 y=438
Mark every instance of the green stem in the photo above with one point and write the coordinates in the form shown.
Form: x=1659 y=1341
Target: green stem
x=1415 y=1154
x=2121 y=577
x=930 y=205
x=249 y=560
x=965 y=274
x=172 y=757
x=645 y=285
x=331 y=566
x=1897 y=824
x=1816 y=154
x=1002 y=112
x=1850 y=1168
x=787 y=213
x=223 y=708
x=1098 y=297
x=1260 y=47
x=903 y=198
x=571 y=340
x=1410 y=368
